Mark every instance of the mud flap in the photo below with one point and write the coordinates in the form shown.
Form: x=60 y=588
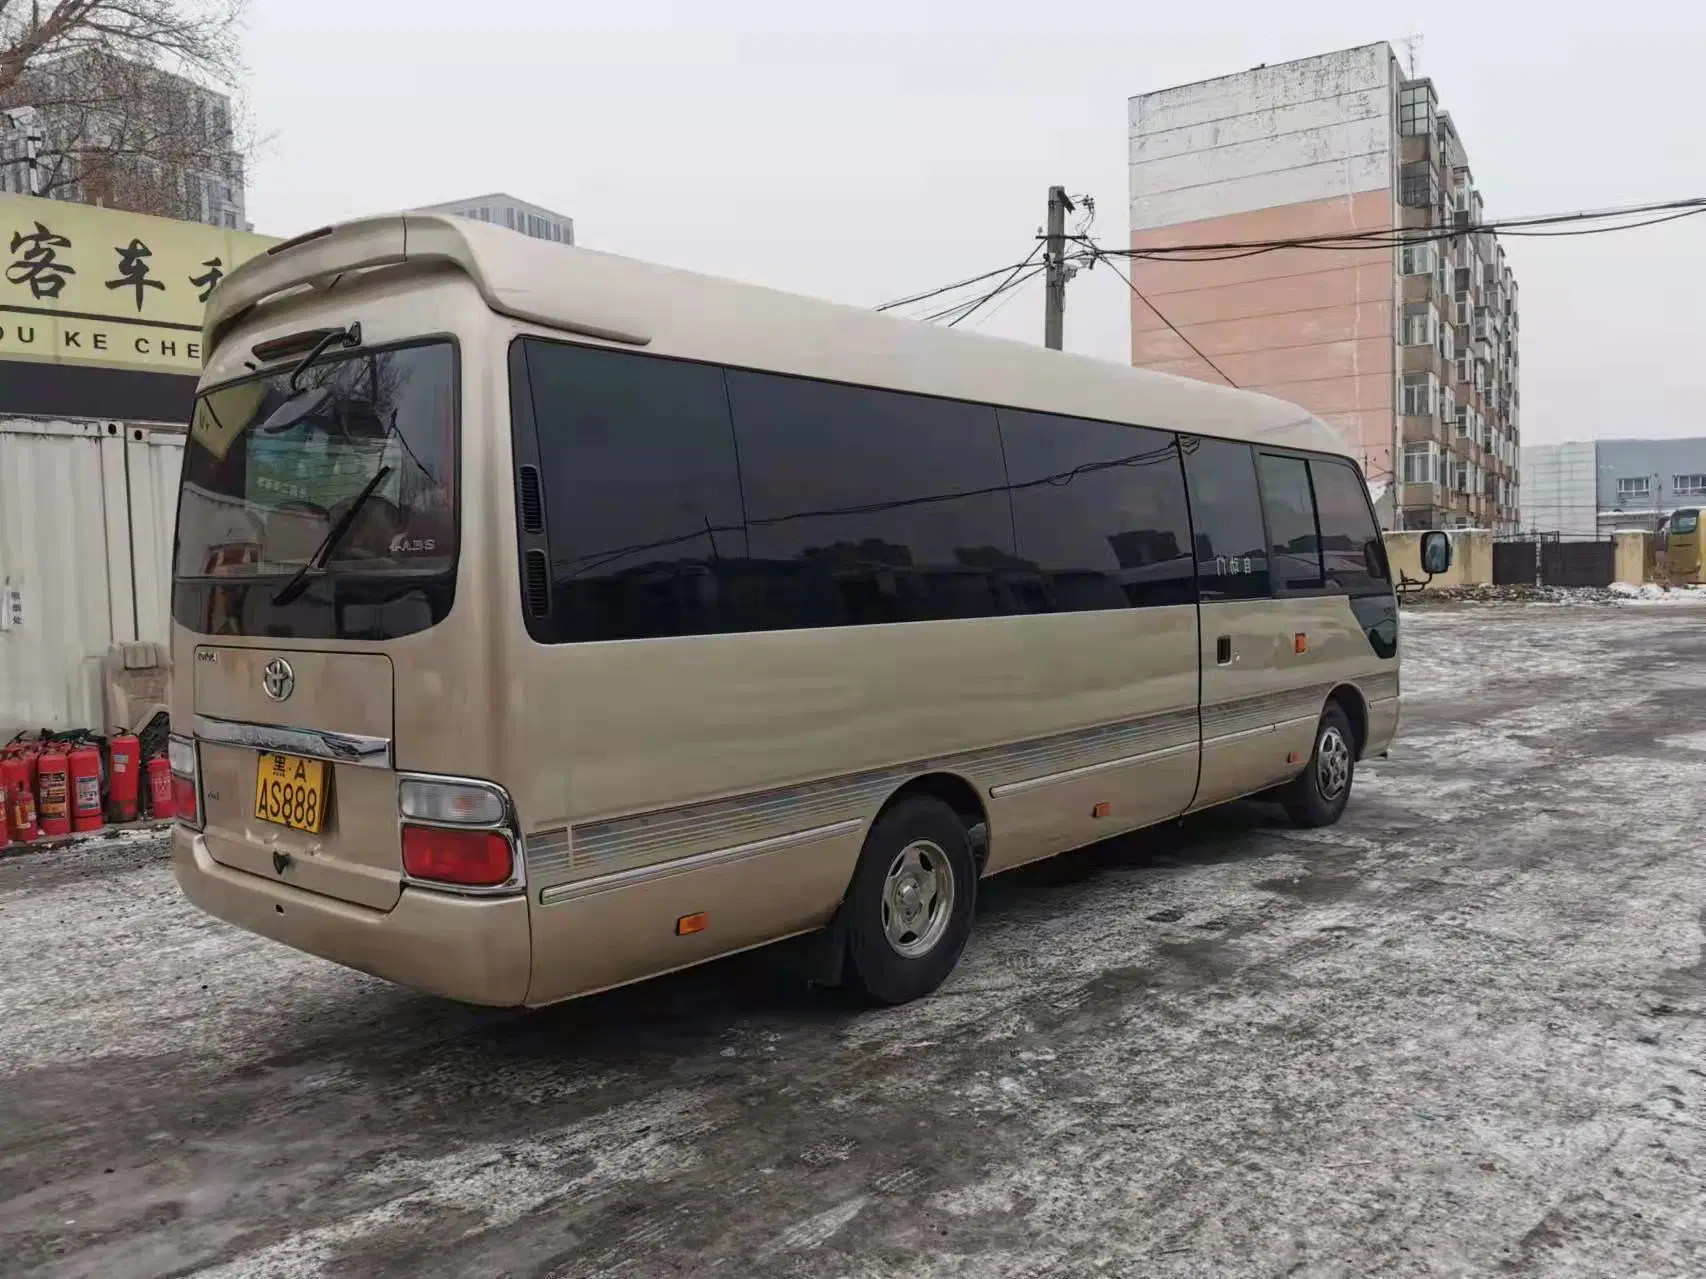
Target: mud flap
x=822 y=956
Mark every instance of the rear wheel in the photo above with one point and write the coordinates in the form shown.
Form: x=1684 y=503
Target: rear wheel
x=909 y=909
x=1318 y=795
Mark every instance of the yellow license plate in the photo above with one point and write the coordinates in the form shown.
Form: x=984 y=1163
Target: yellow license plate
x=291 y=791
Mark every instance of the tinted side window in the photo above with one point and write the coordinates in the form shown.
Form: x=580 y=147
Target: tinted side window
x=1350 y=541
x=1295 y=545
x=1099 y=509
x=869 y=506
x=642 y=494
x=1226 y=517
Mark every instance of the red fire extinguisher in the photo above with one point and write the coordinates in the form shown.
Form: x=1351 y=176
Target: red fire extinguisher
x=85 y=772
x=20 y=798
x=160 y=788
x=53 y=790
x=124 y=754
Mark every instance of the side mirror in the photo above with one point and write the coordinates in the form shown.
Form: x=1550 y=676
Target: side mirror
x=1436 y=553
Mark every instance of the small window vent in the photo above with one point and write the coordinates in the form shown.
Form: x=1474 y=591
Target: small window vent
x=537 y=575
x=532 y=501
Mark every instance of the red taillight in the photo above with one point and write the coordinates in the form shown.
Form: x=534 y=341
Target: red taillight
x=468 y=858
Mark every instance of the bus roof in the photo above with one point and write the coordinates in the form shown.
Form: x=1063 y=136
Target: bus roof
x=687 y=315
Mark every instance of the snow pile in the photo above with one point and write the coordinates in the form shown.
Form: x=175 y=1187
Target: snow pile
x=1616 y=594
x=1658 y=593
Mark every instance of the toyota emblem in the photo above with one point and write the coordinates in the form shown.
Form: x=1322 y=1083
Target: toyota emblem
x=278 y=679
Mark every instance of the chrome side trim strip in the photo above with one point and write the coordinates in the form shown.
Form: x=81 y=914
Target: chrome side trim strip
x=700 y=861
x=1242 y=735
x=313 y=743
x=1072 y=774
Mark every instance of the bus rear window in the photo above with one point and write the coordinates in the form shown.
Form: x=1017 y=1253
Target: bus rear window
x=346 y=477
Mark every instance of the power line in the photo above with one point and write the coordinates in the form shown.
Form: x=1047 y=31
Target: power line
x=1013 y=292
x=1010 y=282
x=1535 y=226
x=958 y=284
x=1138 y=293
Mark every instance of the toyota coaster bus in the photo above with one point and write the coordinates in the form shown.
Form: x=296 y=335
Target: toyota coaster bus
x=546 y=620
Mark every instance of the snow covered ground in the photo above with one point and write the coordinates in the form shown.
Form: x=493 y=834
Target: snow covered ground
x=1459 y=1034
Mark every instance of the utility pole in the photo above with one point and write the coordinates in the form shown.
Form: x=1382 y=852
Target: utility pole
x=1055 y=269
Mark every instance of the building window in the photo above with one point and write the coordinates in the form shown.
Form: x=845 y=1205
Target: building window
x=1447 y=405
x=1462 y=419
x=1417 y=259
x=1688 y=485
x=1416 y=111
x=1421 y=394
x=1631 y=488
x=1421 y=462
x=1421 y=323
x=1418 y=186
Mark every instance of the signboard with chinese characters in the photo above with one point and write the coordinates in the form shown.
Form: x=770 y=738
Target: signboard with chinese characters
x=83 y=285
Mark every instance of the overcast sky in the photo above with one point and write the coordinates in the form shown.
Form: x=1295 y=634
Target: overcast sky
x=868 y=151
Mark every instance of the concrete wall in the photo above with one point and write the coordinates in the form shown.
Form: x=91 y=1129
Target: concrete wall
x=1299 y=149
x=1294 y=133
x=1471 y=558
x=1635 y=560
x=1558 y=489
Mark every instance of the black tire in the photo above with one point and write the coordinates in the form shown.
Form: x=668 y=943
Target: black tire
x=1318 y=795
x=882 y=971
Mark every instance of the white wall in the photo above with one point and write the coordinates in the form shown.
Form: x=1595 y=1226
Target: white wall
x=1291 y=133
x=1559 y=488
x=85 y=541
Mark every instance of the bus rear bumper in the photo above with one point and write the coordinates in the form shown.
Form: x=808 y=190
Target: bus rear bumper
x=470 y=950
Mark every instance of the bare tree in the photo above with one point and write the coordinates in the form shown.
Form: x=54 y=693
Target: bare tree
x=121 y=97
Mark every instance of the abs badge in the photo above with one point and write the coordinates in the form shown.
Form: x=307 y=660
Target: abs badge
x=278 y=681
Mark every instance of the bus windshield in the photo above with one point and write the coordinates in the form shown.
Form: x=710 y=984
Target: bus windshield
x=346 y=474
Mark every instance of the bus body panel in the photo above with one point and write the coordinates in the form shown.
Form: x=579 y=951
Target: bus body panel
x=588 y=938
x=729 y=775
x=750 y=737
x=1260 y=709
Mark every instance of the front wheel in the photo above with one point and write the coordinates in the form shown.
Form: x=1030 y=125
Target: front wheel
x=1317 y=797
x=909 y=908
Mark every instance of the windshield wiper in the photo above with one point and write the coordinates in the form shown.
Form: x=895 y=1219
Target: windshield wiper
x=302 y=403
x=299 y=581
x=350 y=336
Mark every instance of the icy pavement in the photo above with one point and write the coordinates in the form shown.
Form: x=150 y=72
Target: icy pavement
x=1459 y=1034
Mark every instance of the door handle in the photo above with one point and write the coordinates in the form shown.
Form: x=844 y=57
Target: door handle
x=1223 y=650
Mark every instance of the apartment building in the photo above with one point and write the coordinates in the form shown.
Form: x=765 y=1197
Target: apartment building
x=518 y=215
x=1410 y=350
x=93 y=129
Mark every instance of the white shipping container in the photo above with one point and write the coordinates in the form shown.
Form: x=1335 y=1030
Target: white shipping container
x=85 y=540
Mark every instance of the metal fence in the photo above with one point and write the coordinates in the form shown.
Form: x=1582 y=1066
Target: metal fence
x=1548 y=560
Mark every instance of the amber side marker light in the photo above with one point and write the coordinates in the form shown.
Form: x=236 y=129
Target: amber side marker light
x=690 y=924
x=1300 y=642
x=1102 y=809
